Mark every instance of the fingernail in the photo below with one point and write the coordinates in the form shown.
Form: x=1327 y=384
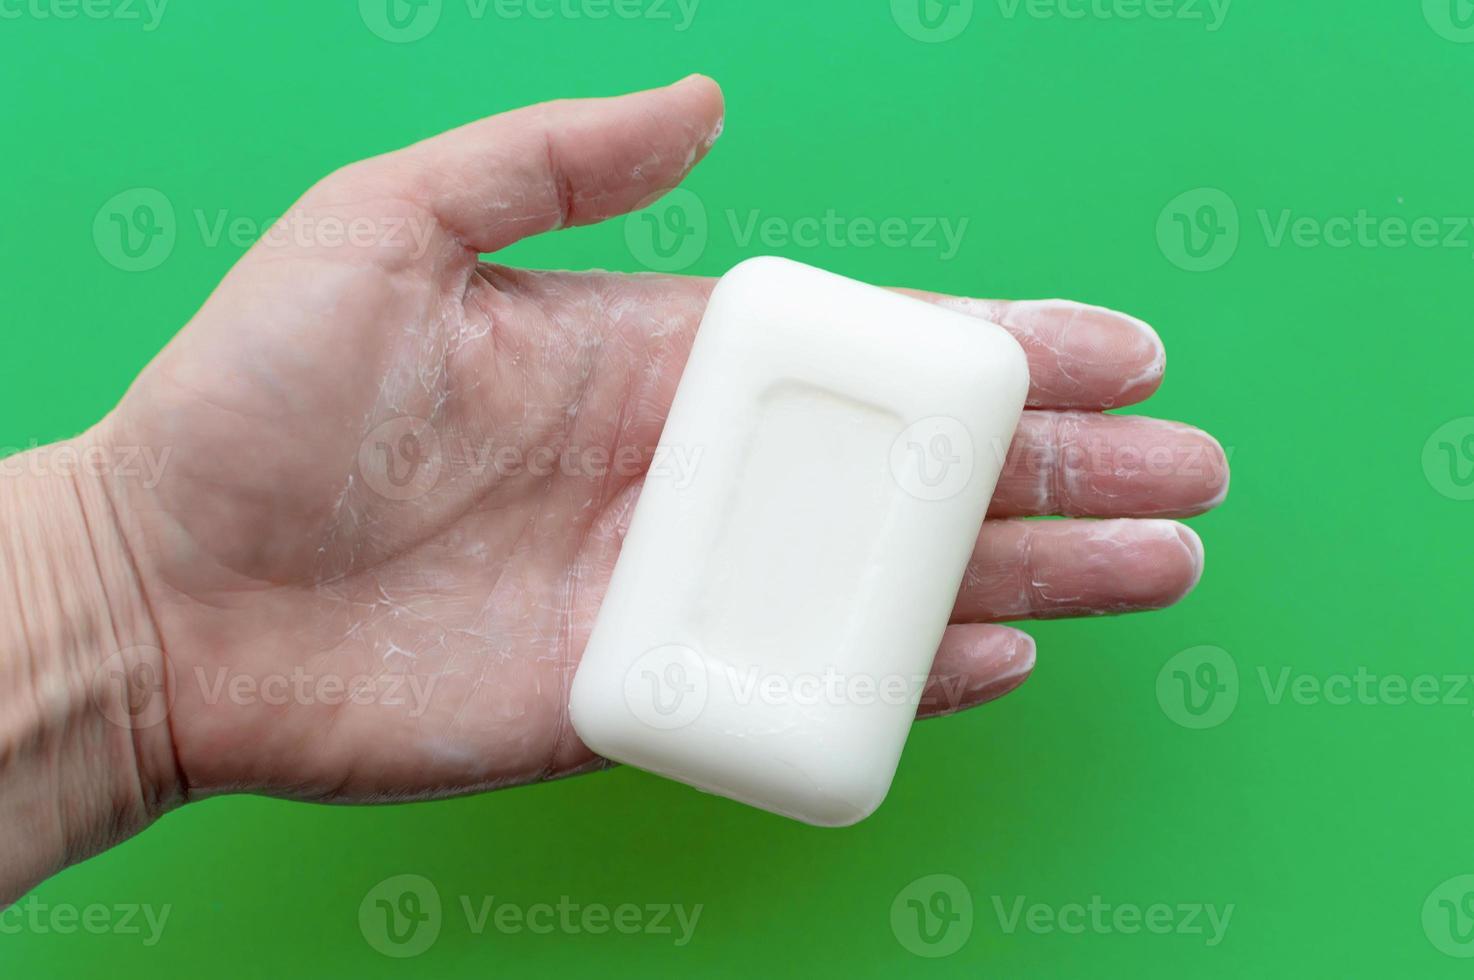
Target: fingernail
x=1110 y=350
x=1012 y=671
x=1227 y=475
x=1194 y=545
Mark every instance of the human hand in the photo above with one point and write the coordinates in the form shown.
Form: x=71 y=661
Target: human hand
x=357 y=573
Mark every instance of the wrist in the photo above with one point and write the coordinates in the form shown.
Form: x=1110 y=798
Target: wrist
x=86 y=757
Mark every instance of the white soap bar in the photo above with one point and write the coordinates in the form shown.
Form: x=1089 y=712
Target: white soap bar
x=781 y=593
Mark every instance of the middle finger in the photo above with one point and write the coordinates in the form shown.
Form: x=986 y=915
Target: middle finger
x=1085 y=464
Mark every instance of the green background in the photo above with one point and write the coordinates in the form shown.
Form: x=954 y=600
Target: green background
x=1324 y=370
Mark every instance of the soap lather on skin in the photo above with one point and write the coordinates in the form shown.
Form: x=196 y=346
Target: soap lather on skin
x=1051 y=569
x=1091 y=464
x=1092 y=354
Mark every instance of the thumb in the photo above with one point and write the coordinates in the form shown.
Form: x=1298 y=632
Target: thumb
x=557 y=165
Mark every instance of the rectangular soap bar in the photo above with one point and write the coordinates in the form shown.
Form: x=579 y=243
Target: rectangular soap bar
x=779 y=599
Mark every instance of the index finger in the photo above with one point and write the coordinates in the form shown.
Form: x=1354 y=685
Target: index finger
x=1080 y=356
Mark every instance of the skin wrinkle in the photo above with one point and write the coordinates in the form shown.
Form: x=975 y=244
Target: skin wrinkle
x=1070 y=481
x=393 y=259
x=565 y=194
x=564 y=644
x=110 y=634
x=1054 y=482
x=1030 y=594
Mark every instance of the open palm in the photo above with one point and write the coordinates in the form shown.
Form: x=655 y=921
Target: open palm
x=397 y=477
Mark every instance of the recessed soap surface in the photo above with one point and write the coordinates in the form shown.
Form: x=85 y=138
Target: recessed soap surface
x=757 y=607
x=773 y=614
